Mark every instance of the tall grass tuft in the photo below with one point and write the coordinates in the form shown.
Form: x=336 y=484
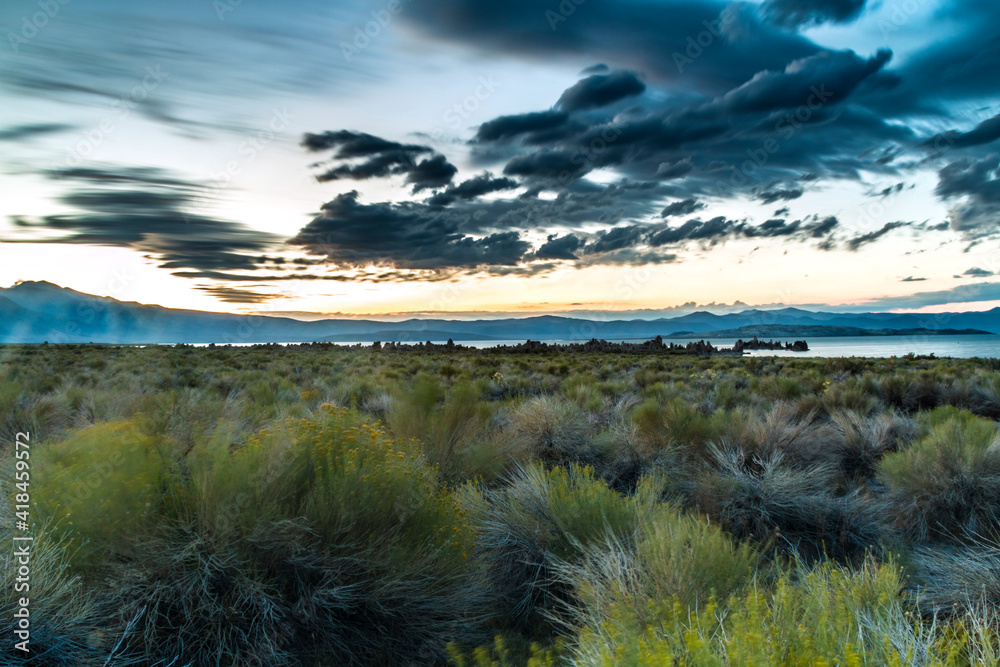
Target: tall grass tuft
x=947 y=484
x=539 y=520
x=788 y=509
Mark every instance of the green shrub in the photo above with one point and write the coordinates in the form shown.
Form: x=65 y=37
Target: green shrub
x=451 y=427
x=820 y=617
x=540 y=519
x=863 y=441
x=550 y=429
x=947 y=484
x=675 y=557
x=321 y=537
x=101 y=487
x=678 y=423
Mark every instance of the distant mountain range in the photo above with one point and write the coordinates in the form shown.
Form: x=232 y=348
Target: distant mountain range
x=33 y=312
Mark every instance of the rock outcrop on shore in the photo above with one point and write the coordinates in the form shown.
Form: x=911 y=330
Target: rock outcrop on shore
x=755 y=344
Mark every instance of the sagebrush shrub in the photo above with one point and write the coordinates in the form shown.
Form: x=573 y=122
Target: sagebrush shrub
x=946 y=485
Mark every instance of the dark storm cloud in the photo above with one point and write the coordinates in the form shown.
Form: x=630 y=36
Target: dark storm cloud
x=984 y=133
x=509 y=127
x=775 y=227
x=891 y=190
x=694 y=230
x=976 y=272
x=434 y=172
x=960 y=64
x=798 y=119
x=548 y=164
x=796 y=13
x=378 y=166
x=125 y=201
x=600 y=90
x=477 y=186
x=682 y=207
x=678 y=169
x=146 y=210
x=352 y=234
x=864 y=239
x=824 y=78
x=976 y=184
x=911 y=279
x=559 y=247
x=617 y=238
x=824 y=227
x=380 y=158
x=351 y=144
x=733 y=144
x=632 y=34
x=966 y=293
x=28 y=131
x=779 y=194
x=974 y=177
x=707 y=232
x=132 y=176
x=234 y=295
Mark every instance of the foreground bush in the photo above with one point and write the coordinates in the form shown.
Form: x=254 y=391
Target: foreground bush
x=103 y=486
x=947 y=484
x=540 y=520
x=321 y=539
x=821 y=617
x=787 y=508
x=675 y=557
x=66 y=619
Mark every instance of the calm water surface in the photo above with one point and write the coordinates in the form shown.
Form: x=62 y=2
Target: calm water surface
x=853 y=346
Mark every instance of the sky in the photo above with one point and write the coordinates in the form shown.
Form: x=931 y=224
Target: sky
x=480 y=158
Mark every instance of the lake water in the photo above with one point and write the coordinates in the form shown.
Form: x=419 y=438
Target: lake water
x=853 y=346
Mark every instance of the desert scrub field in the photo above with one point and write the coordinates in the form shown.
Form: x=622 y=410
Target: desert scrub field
x=322 y=505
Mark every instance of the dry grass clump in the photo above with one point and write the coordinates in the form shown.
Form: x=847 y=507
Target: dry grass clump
x=539 y=520
x=786 y=508
x=864 y=440
x=550 y=429
x=950 y=579
x=67 y=621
